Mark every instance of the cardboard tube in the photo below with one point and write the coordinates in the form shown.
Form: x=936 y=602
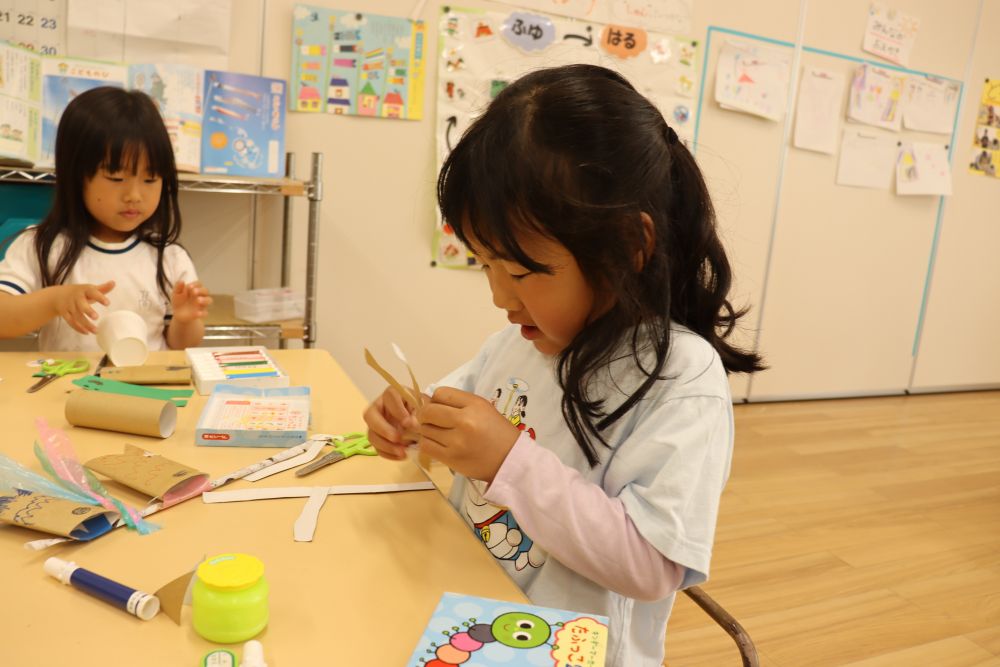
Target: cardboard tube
x=127 y=414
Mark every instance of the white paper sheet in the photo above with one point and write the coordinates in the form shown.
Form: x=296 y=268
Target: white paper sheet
x=929 y=104
x=306 y=491
x=866 y=159
x=922 y=169
x=817 y=118
x=875 y=97
x=185 y=32
x=753 y=79
x=890 y=33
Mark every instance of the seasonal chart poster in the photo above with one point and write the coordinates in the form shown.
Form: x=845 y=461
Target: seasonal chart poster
x=20 y=103
x=177 y=91
x=752 y=79
x=62 y=80
x=482 y=51
x=986 y=142
x=875 y=97
x=243 y=132
x=890 y=33
x=35 y=25
x=357 y=63
x=478 y=631
x=669 y=16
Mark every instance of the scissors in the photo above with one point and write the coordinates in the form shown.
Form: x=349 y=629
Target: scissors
x=345 y=446
x=56 y=369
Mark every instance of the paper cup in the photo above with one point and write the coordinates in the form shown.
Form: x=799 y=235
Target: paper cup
x=122 y=336
x=117 y=412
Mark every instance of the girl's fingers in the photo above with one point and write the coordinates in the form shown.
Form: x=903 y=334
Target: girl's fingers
x=394 y=406
x=438 y=414
x=385 y=448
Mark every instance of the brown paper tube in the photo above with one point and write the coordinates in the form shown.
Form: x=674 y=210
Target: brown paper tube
x=117 y=412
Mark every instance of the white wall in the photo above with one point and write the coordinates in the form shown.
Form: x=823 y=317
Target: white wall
x=375 y=282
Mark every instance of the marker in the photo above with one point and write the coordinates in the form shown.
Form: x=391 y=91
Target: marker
x=137 y=603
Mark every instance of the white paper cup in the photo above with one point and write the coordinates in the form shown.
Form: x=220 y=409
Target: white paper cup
x=122 y=336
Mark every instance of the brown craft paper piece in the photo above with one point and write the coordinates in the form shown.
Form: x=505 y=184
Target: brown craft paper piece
x=415 y=396
x=173 y=595
x=126 y=414
x=148 y=374
x=57 y=516
x=151 y=474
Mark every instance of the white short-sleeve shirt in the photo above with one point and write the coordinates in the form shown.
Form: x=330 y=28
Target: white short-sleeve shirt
x=131 y=264
x=668 y=462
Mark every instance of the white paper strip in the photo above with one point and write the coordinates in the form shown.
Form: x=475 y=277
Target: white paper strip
x=305 y=525
x=306 y=491
x=305 y=457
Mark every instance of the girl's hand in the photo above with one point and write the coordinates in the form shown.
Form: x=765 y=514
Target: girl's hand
x=189 y=301
x=466 y=433
x=72 y=303
x=386 y=417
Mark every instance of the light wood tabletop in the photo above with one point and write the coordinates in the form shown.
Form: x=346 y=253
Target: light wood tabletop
x=359 y=594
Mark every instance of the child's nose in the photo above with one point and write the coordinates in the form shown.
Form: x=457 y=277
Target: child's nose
x=504 y=296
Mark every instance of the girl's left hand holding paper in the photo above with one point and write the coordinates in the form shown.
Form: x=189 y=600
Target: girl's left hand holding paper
x=190 y=301
x=466 y=433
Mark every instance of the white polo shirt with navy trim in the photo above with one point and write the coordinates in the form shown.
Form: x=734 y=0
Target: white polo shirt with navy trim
x=131 y=264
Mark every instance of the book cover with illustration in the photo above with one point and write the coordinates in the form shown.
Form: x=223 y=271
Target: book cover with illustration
x=176 y=90
x=20 y=103
x=468 y=630
x=243 y=133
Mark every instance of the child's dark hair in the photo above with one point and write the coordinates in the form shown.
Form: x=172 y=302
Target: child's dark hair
x=107 y=128
x=576 y=154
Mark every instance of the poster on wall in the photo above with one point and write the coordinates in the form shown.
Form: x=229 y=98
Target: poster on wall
x=875 y=97
x=482 y=51
x=752 y=79
x=930 y=103
x=817 y=117
x=356 y=63
x=669 y=16
x=35 y=25
x=986 y=141
x=923 y=169
x=890 y=33
x=20 y=103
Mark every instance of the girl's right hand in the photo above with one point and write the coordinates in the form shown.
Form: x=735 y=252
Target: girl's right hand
x=72 y=303
x=388 y=419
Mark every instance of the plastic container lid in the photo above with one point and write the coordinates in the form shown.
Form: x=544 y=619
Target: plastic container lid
x=231 y=572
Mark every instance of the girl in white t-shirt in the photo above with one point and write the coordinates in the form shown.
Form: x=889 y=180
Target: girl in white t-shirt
x=110 y=239
x=591 y=439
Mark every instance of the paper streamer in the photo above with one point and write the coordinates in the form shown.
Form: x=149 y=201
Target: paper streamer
x=94 y=383
x=125 y=414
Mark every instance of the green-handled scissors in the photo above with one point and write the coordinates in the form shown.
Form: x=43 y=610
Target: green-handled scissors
x=343 y=447
x=56 y=369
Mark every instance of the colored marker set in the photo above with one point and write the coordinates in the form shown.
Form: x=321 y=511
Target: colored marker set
x=249 y=366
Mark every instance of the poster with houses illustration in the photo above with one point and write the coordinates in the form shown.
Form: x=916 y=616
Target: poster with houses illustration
x=357 y=63
x=482 y=51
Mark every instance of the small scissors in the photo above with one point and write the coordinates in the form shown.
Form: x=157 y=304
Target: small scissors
x=56 y=369
x=344 y=446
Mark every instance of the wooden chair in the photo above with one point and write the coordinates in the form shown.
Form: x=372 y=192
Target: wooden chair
x=748 y=653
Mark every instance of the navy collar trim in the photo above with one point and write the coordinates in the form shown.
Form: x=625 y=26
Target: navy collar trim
x=116 y=251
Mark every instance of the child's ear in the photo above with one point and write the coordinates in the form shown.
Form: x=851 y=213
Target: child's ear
x=649 y=241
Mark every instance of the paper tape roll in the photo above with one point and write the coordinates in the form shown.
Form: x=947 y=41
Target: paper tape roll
x=126 y=414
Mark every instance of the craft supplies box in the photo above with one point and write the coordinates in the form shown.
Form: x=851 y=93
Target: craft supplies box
x=254 y=417
x=270 y=305
x=249 y=366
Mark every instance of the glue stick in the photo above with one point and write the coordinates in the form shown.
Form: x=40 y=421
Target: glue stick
x=137 y=603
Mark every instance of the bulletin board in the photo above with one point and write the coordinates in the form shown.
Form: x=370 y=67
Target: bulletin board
x=825 y=304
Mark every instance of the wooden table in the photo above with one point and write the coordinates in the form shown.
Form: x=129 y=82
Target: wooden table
x=359 y=594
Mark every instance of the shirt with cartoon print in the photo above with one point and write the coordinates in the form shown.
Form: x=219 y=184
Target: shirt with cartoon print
x=668 y=462
x=130 y=263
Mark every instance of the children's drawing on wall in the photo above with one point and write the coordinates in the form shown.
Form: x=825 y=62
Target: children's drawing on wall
x=752 y=79
x=482 y=51
x=930 y=104
x=357 y=63
x=875 y=97
x=890 y=33
x=817 y=117
x=986 y=142
x=866 y=159
x=923 y=169
x=669 y=16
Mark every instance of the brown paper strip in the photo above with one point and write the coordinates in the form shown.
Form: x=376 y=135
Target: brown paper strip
x=415 y=397
x=151 y=474
x=126 y=414
x=172 y=596
x=54 y=515
x=149 y=374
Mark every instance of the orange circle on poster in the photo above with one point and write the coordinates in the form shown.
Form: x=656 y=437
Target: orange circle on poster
x=219 y=140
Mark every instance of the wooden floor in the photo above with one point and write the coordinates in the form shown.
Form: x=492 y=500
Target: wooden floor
x=861 y=533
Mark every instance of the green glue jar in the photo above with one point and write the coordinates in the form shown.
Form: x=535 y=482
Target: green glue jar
x=229 y=598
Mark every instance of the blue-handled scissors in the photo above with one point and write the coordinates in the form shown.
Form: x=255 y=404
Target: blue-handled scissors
x=56 y=369
x=343 y=447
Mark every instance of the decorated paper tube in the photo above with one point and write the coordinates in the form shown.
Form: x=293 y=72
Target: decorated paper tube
x=126 y=414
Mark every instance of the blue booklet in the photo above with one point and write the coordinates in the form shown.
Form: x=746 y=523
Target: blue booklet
x=471 y=630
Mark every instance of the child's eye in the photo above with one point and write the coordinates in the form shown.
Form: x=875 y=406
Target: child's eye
x=115 y=179
x=152 y=180
x=520 y=276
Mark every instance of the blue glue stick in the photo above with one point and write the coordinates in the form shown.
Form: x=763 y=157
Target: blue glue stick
x=137 y=603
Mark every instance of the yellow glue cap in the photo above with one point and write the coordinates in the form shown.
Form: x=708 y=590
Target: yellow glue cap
x=231 y=571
